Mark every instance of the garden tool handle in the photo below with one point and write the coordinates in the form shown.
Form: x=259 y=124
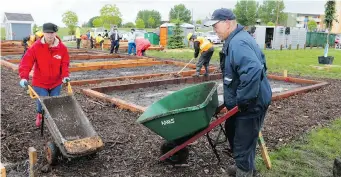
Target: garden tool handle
x=69 y=89
x=186 y=65
x=33 y=94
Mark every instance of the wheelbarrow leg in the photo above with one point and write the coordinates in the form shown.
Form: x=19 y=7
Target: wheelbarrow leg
x=213 y=146
x=42 y=125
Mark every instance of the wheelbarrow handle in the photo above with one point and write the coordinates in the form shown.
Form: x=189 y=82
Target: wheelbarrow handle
x=33 y=94
x=69 y=89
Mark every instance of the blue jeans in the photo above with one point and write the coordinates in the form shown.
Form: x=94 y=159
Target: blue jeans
x=45 y=92
x=131 y=46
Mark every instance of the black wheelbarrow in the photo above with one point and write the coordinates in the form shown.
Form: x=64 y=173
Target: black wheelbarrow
x=73 y=134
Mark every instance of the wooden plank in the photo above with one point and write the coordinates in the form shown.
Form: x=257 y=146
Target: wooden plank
x=112 y=66
x=32 y=153
x=264 y=151
x=125 y=61
x=118 y=102
x=3 y=170
x=12 y=66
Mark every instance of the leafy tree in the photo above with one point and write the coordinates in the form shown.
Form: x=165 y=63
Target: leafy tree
x=90 y=22
x=246 y=12
x=180 y=12
x=198 y=22
x=268 y=11
x=129 y=25
x=98 y=22
x=176 y=40
x=140 y=23
x=151 y=22
x=70 y=19
x=146 y=14
x=312 y=25
x=35 y=28
x=270 y=24
x=330 y=16
x=110 y=15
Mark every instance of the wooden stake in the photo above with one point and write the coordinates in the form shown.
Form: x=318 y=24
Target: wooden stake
x=3 y=170
x=32 y=152
x=264 y=151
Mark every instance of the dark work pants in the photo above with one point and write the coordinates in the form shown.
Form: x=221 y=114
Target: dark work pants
x=242 y=133
x=78 y=40
x=114 y=46
x=204 y=59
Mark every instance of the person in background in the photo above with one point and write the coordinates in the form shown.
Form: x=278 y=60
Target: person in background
x=78 y=37
x=50 y=59
x=92 y=38
x=206 y=49
x=245 y=85
x=28 y=41
x=100 y=40
x=106 y=34
x=131 y=42
x=88 y=34
x=141 y=46
x=115 y=41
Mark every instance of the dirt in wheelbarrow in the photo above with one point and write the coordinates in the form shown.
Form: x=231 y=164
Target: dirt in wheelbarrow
x=133 y=150
x=96 y=74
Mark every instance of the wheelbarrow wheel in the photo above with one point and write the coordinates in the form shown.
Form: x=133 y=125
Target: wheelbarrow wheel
x=52 y=153
x=179 y=157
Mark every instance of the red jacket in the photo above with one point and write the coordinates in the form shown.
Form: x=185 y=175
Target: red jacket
x=141 y=44
x=51 y=65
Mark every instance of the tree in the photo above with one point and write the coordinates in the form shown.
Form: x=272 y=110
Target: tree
x=110 y=15
x=98 y=22
x=129 y=25
x=312 y=25
x=35 y=28
x=246 y=12
x=176 y=40
x=330 y=16
x=140 y=23
x=151 y=22
x=270 y=24
x=198 y=22
x=269 y=9
x=146 y=14
x=180 y=12
x=90 y=22
x=70 y=19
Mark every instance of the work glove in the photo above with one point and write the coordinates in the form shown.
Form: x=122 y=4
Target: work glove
x=66 y=79
x=23 y=83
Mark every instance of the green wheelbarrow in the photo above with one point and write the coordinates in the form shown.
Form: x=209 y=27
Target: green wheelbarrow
x=184 y=116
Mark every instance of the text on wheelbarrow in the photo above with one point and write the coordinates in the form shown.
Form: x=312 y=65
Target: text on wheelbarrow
x=169 y=121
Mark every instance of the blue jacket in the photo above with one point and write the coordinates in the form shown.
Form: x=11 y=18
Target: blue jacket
x=244 y=73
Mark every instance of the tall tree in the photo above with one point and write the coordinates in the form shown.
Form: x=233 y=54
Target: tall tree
x=180 y=12
x=129 y=25
x=35 y=28
x=140 y=23
x=151 y=22
x=98 y=22
x=330 y=16
x=90 y=22
x=146 y=14
x=246 y=12
x=70 y=19
x=111 y=15
x=269 y=10
x=176 y=40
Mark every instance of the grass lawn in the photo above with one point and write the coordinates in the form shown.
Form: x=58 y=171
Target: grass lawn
x=311 y=156
x=297 y=62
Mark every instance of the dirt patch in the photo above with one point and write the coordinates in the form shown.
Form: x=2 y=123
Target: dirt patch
x=97 y=74
x=147 y=96
x=131 y=149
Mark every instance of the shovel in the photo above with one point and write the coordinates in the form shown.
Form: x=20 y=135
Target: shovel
x=177 y=74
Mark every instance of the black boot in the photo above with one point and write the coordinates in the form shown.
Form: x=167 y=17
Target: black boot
x=207 y=71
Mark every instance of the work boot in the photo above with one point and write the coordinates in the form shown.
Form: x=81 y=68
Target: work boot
x=38 y=119
x=241 y=173
x=232 y=171
x=207 y=71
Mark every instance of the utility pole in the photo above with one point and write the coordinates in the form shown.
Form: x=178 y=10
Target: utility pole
x=277 y=12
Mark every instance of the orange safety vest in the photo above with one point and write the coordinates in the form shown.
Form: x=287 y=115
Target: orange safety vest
x=204 y=44
x=31 y=41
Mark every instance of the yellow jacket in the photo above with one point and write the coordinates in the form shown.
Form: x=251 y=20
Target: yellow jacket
x=99 y=39
x=204 y=44
x=31 y=40
x=78 y=33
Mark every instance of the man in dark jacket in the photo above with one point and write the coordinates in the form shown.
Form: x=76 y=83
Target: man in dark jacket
x=115 y=39
x=245 y=86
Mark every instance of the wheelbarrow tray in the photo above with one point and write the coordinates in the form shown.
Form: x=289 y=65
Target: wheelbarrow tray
x=69 y=126
x=183 y=112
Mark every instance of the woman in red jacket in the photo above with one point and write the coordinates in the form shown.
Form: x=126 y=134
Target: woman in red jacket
x=50 y=59
x=141 y=46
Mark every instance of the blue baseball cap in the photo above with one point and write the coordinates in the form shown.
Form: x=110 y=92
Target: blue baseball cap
x=220 y=15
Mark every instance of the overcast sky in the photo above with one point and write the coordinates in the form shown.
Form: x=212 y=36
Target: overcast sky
x=52 y=10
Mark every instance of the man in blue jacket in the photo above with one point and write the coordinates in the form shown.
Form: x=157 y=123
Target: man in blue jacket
x=245 y=85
